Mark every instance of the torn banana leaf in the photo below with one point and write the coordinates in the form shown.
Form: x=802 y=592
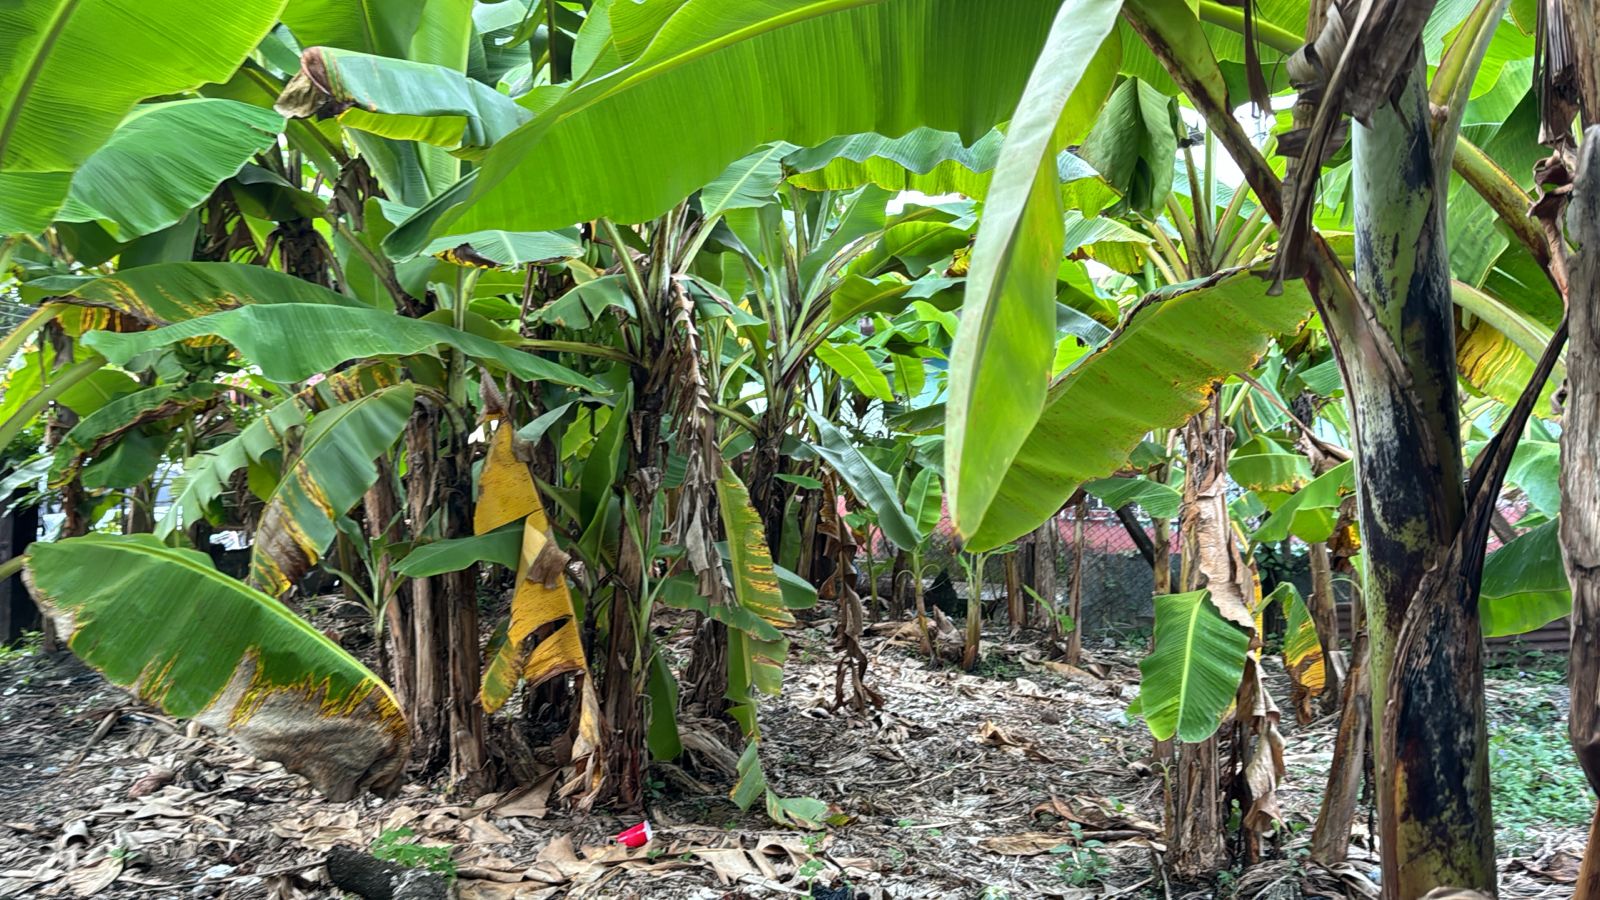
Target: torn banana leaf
x=101 y=430
x=200 y=645
x=334 y=468
x=542 y=639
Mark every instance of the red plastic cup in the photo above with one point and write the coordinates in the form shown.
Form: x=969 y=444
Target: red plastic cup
x=635 y=837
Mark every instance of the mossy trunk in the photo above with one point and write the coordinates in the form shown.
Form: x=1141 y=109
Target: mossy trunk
x=1426 y=642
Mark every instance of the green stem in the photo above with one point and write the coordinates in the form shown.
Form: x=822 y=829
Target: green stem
x=12 y=566
x=580 y=348
x=1232 y=18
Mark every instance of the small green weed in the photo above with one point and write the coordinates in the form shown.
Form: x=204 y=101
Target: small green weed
x=396 y=845
x=23 y=647
x=1083 y=864
x=1535 y=780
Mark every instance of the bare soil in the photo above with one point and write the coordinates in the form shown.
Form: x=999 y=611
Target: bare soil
x=1022 y=780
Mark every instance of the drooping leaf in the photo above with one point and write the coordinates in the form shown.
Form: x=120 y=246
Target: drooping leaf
x=1302 y=651
x=868 y=482
x=755 y=581
x=99 y=430
x=97 y=60
x=540 y=603
x=1155 y=372
x=1133 y=144
x=855 y=365
x=501 y=546
x=201 y=645
x=1161 y=501
x=1000 y=363
x=855 y=296
x=333 y=469
x=1190 y=678
x=1261 y=465
x=1525 y=584
x=402 y=100
x=267 y=336
x=748 y=74
x=1299 y=514
x=165 y=159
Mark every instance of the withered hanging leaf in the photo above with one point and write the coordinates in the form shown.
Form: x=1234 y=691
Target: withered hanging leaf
x=542 y=639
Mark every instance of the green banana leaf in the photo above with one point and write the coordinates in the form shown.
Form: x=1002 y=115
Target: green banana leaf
x=402 y=100
x=1001 y=360
x=385 y=27
x=1134 y=143
x=272 y=337
x=1159 y=500
x=1190 y=678
x=1155 y=372
x=164 y=160
x=1536 y=468
x=933 y=162
x=332 y=470
x=749 y=182
x=925 y=502
x=868 y=482
x=1309 y=514
x=506 y=249
x=454 y=554
x=91 y=62
x=174 y=292
x=854 y=364
x=1262 y=465
x=1525 y=584
x=747 y=74
x=100 y=430
x=204 y=646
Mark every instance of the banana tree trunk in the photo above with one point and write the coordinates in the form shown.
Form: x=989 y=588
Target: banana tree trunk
x=469 y=757
x=1426 y=642
x=381 y=509
x=1580 y=494
x=1080 y=545
x=1330 y=837
x=1016 y=609
x=1325 y=616
x=1046 y=544
x=1194 y=789
x=425 y=707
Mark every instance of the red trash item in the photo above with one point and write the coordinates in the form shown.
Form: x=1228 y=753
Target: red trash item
x=636 y=837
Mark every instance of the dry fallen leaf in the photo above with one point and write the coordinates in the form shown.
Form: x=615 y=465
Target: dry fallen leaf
x=532 y=802
x=1029 y=843
x=91 y=880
